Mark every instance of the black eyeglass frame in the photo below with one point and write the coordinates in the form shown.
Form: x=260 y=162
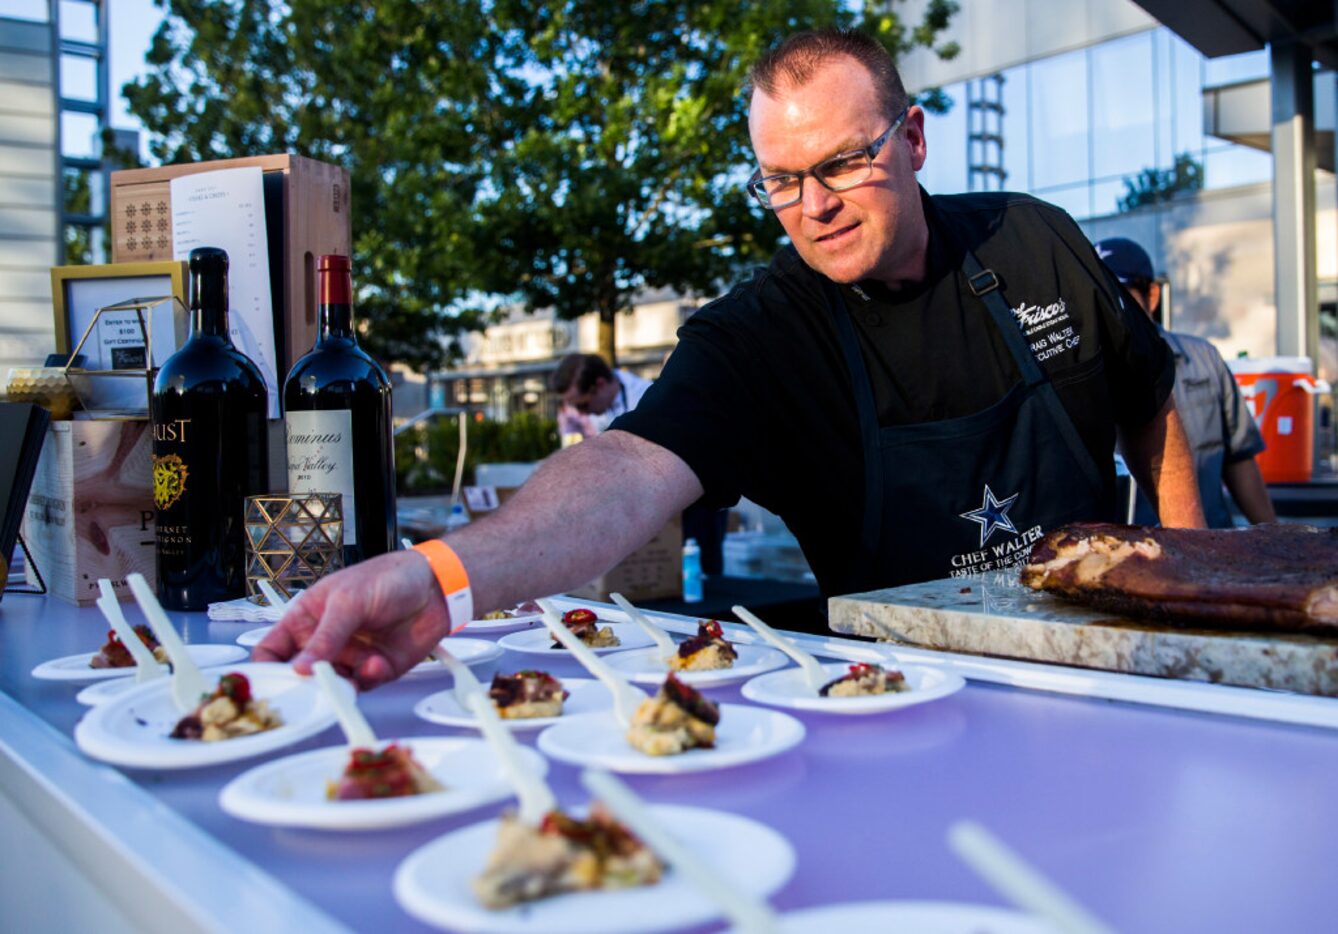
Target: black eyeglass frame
x=757 y=184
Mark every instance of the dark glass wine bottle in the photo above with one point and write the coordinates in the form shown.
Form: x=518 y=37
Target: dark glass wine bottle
x=209 y=449
x=337 y=415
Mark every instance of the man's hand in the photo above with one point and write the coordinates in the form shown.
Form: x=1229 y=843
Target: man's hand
x=373 y=621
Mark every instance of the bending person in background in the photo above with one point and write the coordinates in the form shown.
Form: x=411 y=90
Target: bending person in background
x=587 y=384
x=1222 y=434
x=918 y=386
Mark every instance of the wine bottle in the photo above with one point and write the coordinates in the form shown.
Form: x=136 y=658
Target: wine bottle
x=209 y=449
x=337 y=415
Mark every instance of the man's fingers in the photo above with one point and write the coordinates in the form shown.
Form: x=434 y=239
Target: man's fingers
x=343 y=613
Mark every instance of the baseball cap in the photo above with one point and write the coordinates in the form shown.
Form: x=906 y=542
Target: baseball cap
x=1126 y=259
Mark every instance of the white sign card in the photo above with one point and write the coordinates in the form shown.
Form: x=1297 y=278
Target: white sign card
x=117 y=343
x=226 y=209
x=481 y=498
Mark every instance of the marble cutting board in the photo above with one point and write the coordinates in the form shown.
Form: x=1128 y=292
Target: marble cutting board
x=997 y=616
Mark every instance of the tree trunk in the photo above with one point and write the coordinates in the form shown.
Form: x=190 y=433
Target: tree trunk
x=608 y=331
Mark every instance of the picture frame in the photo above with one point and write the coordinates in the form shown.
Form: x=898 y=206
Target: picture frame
x=124 y=320
x=77 y=292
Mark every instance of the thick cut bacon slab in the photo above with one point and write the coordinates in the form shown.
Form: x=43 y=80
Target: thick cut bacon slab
x=1269 y=577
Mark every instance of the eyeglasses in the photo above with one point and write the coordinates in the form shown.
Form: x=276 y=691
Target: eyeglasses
x=842 y=171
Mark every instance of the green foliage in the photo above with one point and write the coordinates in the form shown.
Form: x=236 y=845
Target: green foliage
x=425 y=454
x=565 y=154
x=1152 y=186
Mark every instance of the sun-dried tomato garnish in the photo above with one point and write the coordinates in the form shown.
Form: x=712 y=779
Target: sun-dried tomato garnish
x=691 y=700
x=712 y=627
x=573 y=618
x=235 y=687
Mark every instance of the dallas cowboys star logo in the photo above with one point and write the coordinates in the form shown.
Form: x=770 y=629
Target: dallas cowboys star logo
x=992 y=515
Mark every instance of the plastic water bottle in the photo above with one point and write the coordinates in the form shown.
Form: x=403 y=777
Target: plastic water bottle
x=692 y=572
x=457 y=517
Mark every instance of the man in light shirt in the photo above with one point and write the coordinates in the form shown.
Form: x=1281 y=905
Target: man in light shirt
x=590 y=386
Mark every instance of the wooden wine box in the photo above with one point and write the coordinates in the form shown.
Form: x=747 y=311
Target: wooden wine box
x=90 y=513
x=306 y=214
x=652 y=572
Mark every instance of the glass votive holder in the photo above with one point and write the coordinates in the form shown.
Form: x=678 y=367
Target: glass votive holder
x=292 y=541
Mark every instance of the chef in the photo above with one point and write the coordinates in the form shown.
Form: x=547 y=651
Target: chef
x=919 y=386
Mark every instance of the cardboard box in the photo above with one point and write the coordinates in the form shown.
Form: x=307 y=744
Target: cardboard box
x=652 y=572
x=90 y=513
x=306 y=214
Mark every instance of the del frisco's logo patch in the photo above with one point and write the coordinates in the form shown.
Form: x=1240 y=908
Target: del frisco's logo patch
x=169 y=480
x=1048 y=328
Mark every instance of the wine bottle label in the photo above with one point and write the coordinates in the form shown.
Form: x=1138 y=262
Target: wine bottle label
x=320 y=459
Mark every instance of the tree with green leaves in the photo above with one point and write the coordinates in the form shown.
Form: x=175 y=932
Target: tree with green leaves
x=565 y=155
x=1152 y=186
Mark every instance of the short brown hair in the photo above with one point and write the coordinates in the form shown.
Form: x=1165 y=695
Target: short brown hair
x=582 y=370
x=794 y=62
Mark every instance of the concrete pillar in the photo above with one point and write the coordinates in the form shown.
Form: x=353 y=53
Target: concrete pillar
x=1294 y=200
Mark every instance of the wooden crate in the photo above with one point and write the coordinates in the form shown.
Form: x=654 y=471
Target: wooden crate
x=90 y=513
x=306 y=213
x=652 y=572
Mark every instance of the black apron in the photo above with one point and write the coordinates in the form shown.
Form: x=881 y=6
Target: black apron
x=971 y=494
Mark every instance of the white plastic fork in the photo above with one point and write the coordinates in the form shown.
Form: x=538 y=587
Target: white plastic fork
x=626 y=698
x=188 y=685
x=275 y=599
x=532 y=792
x=147 y=667
x=357 y=730
x=750 y=915
x=814 y=673
x=667 y=645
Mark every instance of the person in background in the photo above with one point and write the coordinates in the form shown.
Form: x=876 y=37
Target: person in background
x=919 y=386
x=1222 y=434
x=589 y=385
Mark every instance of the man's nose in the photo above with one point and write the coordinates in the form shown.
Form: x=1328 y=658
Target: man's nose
x=817 y=201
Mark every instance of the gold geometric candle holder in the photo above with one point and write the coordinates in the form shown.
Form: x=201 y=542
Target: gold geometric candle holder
x=292 y=541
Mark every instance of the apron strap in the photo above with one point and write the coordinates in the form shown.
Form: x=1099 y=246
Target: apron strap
x=866 y=411
x=984 y=284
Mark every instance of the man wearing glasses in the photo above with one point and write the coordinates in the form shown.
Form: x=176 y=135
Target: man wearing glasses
x=919 y=386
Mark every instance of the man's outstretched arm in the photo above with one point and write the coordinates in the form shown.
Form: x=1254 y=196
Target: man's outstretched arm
x=585 y=509
x=1159 y=458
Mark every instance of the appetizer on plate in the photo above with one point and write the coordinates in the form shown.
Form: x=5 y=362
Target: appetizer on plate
x=584 y=625
x=706 y=651
x=227 y=713
x=391 y=772
x=527 y=694
x=114 y=654
x=676 y=719
x=563 y=854
x=864 y=679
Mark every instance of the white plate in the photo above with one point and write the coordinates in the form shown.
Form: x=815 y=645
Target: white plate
x=290 y=792
x=540 y=641
x=920 y=917
x=790 y=689
x=133 y=729
x=251 y=638
x=100 y=692
x=587 y=696
x=744 y=734
x=647 y=666
x=503 y=625
x=433 y=883
x=469 y=651
x=75 y=667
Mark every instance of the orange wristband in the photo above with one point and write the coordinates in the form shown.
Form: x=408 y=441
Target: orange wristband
x=450 y=574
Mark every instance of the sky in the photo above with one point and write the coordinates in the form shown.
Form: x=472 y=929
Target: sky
x=132 y=24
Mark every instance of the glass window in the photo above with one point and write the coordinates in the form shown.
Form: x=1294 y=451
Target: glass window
x=1076 y=199
x=1016 y=130
x=79 y=136
x=1186 y=100
x=1236 y=165
x=1106 y=197
x=79 y=20
x=944 y=171
x=1229 y=69
x=1059 y=120
x=79 y=77
x=1123 y=124
x=29 y=10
